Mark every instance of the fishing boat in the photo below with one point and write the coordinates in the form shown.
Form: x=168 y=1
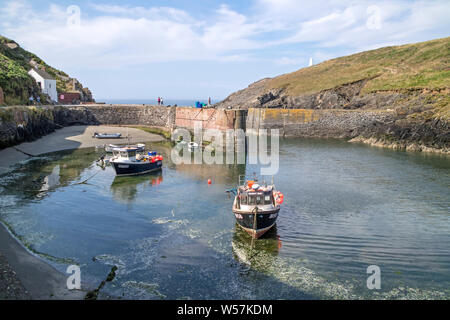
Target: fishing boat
x=256 y=206
x=107 y=135
x=129 y=161
x=110 y=148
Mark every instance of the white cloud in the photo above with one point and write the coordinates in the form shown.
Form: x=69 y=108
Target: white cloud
x=333 y=24
x=124 y=35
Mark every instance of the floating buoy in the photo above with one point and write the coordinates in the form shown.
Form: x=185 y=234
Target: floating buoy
x=279 y=197
x=209 y=181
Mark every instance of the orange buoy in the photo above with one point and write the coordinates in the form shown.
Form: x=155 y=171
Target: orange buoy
x=279 y=197
x=209 y=181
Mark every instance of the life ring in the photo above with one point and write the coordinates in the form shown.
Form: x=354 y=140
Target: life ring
x=279 y=197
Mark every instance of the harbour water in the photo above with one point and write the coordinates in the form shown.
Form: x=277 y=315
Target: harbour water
x=173 y=236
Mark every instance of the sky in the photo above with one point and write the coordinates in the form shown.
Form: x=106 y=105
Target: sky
x=184 y=49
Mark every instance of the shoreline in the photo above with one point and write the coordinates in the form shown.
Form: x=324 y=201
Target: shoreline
x=25 y=275
x=399 y=146
x=70 y=138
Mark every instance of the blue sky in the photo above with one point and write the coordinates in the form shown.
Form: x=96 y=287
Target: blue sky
x=206 y=48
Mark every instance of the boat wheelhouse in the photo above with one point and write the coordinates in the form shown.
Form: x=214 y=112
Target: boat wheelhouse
x=111 y=147
x=129 y=161
x=256 y=207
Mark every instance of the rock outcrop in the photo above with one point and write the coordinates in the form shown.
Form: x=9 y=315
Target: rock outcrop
x=401 y=95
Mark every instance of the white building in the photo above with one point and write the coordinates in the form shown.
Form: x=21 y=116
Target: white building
x=46 y=82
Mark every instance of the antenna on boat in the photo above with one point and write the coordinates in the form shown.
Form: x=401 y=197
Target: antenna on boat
x=128 y=136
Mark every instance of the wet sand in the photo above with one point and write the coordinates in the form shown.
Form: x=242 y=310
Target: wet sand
x=22 y=274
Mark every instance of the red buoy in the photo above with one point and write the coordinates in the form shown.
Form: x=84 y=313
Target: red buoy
x=209 y=181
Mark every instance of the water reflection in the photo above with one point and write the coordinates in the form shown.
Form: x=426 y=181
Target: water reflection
x=258 y=254
x=125 y=189
x=346 y=207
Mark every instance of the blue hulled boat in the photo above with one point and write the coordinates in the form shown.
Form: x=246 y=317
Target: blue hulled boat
x=256 y=207
x=130 y=161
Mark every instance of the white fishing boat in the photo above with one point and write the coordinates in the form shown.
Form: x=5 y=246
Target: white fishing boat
x=140 y=147
x=256 y=206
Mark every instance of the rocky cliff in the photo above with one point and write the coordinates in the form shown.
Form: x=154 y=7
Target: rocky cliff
x=18 y=86
x=410 y=84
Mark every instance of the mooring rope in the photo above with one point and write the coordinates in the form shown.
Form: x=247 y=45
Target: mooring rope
x=25 y=153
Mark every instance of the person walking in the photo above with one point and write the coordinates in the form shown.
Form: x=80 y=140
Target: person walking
x=162 y=101
x=159 y=101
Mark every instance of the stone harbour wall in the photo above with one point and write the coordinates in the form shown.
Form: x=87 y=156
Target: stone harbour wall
x=376 y=127
x=316 y=123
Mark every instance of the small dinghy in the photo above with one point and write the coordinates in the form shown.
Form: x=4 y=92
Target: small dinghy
x=128 y=161
x=110 y=148
x=107 y=135
x=256 y=207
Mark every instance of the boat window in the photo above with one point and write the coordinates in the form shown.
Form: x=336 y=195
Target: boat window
x=259 y=199
x=243 y=199
x=267 y=199
x=251 y=200
x=132 y=154
x=124 y=154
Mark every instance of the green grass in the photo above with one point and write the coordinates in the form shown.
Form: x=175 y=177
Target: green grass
x=15 y=81
x=14 y=67
x=159 y=131
x=412 y=66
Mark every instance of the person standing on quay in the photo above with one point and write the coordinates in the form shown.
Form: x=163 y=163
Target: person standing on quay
x=159 y=101
x=162 y=101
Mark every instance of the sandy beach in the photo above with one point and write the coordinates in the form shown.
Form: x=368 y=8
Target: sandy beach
x=24 y=275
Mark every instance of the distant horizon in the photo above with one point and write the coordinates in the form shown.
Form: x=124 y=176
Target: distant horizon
x=166 y=101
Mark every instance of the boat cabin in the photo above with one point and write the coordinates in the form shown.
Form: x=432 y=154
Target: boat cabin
x=126 y=153
x=252 y=198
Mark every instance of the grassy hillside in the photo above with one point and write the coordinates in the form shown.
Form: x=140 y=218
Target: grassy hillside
x=15 y=82
x=413 y=66
x=15 y=62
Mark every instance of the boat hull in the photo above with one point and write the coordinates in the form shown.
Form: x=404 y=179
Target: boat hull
x=264 y=221
x=133 y=169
